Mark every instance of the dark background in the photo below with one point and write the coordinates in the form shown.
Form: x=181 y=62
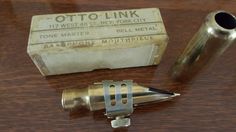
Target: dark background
x=31 y=102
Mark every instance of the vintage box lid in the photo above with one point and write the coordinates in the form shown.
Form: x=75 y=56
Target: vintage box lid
x=102 y=29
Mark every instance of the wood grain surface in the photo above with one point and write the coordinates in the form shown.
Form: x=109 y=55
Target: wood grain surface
x=31 y=102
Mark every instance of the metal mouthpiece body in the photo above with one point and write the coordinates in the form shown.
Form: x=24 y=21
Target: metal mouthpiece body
x=118 y=98
x=216 y=34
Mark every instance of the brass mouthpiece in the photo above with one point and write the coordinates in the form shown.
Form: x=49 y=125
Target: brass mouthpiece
x=92 y=97
x=118 y=98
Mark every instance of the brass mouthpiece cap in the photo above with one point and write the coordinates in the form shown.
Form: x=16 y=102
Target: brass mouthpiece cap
x=215 y=35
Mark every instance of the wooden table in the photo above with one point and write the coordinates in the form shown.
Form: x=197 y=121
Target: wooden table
x=31 y=102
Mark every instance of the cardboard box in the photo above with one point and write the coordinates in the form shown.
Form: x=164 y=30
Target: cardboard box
x=79 y=42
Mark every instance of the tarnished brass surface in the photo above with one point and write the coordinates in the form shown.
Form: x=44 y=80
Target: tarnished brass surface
x=92 y=97
x=216 y=34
